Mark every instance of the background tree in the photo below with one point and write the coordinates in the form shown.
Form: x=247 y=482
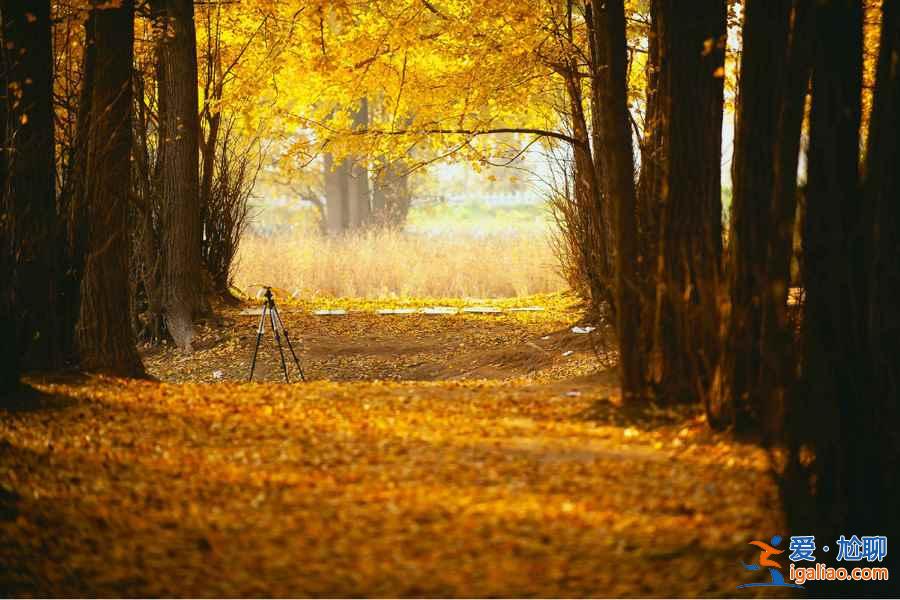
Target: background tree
x=690 y=41
x=761 y=93
x=348 y=202
x=28 y=217
x=104 y=334
x=614 y=146
x=779 y=343
x=184 y=283
x=231 y=158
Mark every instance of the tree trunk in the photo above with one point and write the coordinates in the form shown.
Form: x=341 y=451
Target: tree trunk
x=648 y=193
x=184 y=281
x=390 y=194
x=593 y=249
x=348 y=202
x=614 y=147
x=72 y=205
x=735 y=392
x=105 y=337
x=691 y=39
x=28 y=218
x=829 y=414
x=778 y=336
x=599 y=78
x=882 y=187
x=358 y=198
x=337 y=182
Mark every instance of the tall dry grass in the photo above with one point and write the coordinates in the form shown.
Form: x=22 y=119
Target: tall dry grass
x=389 y=264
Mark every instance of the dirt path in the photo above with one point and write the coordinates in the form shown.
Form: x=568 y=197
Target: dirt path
x=528 y=484
x=363 y=345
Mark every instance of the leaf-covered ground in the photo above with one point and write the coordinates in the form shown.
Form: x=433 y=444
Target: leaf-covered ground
x=527 y=481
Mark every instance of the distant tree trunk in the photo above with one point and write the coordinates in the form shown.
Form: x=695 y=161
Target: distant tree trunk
x=614 y=147
x=691 y=39
x=359 y=193
x=735 y=390
x=778 y=336
x=337 y=183
x=594 y=253
x=348 y=202
x=208 y=145
x=184 y=281
x=104 y=334
x=28 y=220
x=391 y=195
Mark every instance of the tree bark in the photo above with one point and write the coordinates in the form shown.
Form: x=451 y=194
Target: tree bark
x=778 y=349
x=72 y=203
x=735 y=392
x=348 y=202
x=882 y=188
x=358 y=199
x=184 y=281
x=390 y=194
x=691 y=39
x=28 y=221
x=104 y=334
x=649 y=181
x=594 y=253
x=614 y=148
x=832 y=408
x=337 y=182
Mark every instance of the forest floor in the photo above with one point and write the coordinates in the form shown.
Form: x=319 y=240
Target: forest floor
x=458 y=455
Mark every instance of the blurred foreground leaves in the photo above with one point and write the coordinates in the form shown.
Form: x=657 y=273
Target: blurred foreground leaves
x=455 y=488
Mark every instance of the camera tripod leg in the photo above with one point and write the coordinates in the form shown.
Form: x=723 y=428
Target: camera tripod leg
x=278 y=342
x=287 y=338
x=259 y=334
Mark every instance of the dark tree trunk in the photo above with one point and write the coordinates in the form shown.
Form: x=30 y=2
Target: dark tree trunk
x=209 y=145
x=73 y=202
x=28 y=217
x=842 y=472
x=778 y=336
x=735 y=390
x=829 y=413
x=882 y=187
x=834 y=355
x=105 y=337
x=614 y=147
x=691 y=39
x=599 y=78
x=648 y=193
x=184 y=281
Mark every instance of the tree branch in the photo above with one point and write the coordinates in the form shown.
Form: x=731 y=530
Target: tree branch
x=477 y=132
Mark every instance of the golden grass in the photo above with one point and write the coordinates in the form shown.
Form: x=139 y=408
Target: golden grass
x=388 y=264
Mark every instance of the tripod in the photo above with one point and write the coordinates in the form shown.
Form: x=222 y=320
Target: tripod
x=276 y=322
